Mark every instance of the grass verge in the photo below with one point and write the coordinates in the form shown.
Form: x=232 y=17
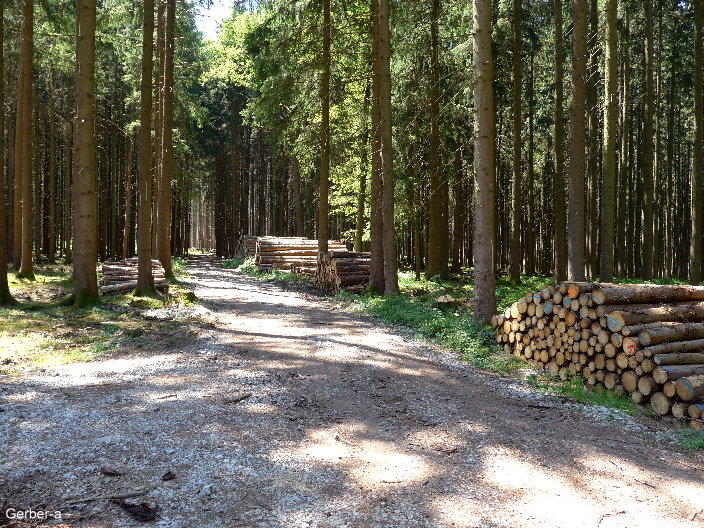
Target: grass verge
x=40 y=332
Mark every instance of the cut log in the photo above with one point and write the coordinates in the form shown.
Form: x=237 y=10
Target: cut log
x=695 y=345
x=681 y=358
x=684 y=313
x=668 y=334
x=629 y=380
x=695 y=410
x=647 y=385
x=691 y=388
x=665 y=373
x=646 y=293
x=126 y=287
x=660 y=403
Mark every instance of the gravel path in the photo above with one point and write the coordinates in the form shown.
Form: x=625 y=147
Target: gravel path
x=350 y=424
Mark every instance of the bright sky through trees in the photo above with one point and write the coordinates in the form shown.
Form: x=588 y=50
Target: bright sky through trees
x=210 y=18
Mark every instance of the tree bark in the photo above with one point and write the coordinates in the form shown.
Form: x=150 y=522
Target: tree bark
x=559 y=181
x=363 y=155
x=127 y=245
x=646 y=293
x=85 y=281
x=516 y=190
x=50 y=191
x=323 y=219
x=167 y=150
x=295 y=169
x=25 y=147
x=376 y=276
x=576 y=222
x=5 y=295
x=145 y=280
x=438 y=206
x=458 y=192
x=606 y=265
x=647 y=154
x=386 y=157
x=695 y=257
x=484 y=295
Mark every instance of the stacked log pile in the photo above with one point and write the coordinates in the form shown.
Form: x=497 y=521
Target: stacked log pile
x=645 y=340
x=343 y=270
x=286 y=253
x=121 y=277
x=247 y=246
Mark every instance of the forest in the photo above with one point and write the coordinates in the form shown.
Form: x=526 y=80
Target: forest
x=360 y=263
x=511 y=137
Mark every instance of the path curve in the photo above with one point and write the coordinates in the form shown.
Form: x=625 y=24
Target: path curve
x=350 y=424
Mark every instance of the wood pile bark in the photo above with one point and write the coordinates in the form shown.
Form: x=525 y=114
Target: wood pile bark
x=121 y=277
x=285 y=253
x=247 y=246
x=339 y=270
x=645 y=340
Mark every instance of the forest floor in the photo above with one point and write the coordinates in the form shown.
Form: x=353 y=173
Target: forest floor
x=350 y=423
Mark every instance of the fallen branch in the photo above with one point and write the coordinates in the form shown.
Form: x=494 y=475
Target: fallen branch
x=121 y=495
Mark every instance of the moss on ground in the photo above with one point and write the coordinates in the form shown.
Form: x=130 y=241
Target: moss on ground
x=41 y=331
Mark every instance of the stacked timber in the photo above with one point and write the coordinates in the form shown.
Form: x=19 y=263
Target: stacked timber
x=121 y=277
x=247 y=246
x=285 y=253
x=645 y=340
x=338 y=270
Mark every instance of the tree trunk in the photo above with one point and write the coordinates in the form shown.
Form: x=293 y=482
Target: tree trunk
x=85 y=282
x=5 y=295
x=484 y=294
x=67 y=194
x=50 y=191
x=647 y=153
x=127 y=246
x=386 y=157
x=438 y=213
x=376 y=276
x=575 y=227
x=145 y=280
x=362 y=192
x=26 y=52
x=323 y=219
x=516 y=190
x=417 y=214
x=167 y=150
x=559 y=181
x=606 y=265
x=458 y=191
x=695 y=259
x=295 y=169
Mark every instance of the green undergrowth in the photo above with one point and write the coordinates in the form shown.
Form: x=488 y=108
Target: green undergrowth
x=576 y=390
x=41 y=331
x=449 y=324
x=248 y=267
x=691 y=439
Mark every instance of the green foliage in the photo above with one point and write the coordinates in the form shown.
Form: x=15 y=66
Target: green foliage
x=575 y=389
x=47 y=328
x=691 y=439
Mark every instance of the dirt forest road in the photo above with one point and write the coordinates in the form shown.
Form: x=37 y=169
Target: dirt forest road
x=350 y=424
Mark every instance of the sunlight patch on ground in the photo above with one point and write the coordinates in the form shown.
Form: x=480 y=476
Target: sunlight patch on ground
x=458 y=510
x=540 y=495
x=370 y=463
x=98 y=372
